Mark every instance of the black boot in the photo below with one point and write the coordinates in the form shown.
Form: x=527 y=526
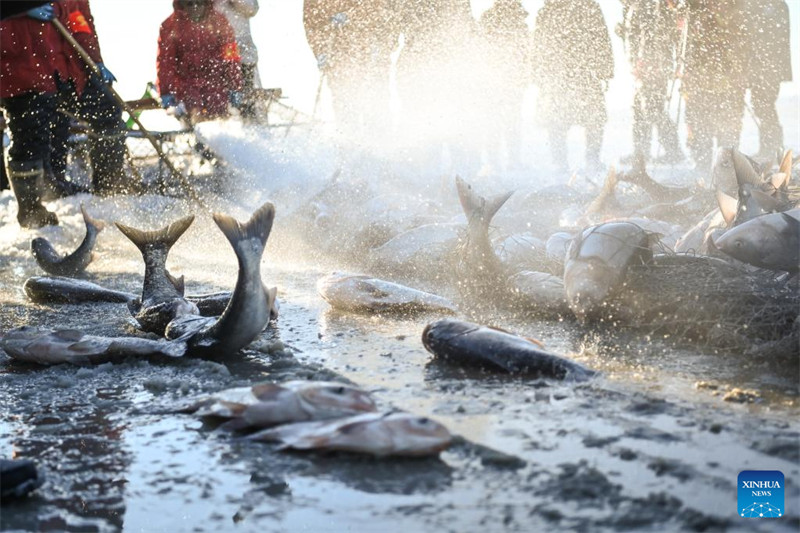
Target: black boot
x=18 y=477
x=108 y=161
x=24 y=176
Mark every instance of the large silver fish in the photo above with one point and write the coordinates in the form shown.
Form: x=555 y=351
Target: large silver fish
x=363 y=294
x=769 y=241
x=53 y=347
x=378 y=434
x=75 y=263
x=270 y=404
x=162 y=294
x=252 y=304
x=50 y=290
x=469 y=344
x=597 y=262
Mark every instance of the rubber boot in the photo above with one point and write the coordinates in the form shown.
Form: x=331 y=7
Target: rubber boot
x=24 y=177
x=18 y=477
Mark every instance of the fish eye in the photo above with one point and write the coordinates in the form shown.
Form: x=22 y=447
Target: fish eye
x=738 y=244
x=338 y=390
x=423 y=421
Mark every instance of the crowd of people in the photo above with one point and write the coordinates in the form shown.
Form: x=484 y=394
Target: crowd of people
x=453 y=74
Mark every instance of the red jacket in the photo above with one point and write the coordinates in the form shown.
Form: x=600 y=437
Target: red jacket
x=33 y=51
x=30 y=55
x=198 y=62
x=76 y=16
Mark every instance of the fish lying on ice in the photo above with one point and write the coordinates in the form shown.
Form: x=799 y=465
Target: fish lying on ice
x=52 y=347
x=162 y=294
x=378 y=434
x=270 y=404
x=769 y=241
x=51 y=290
x=597 y=262
x=466 y=343
x=539 y=291
x=76 y=262
x=252 y=305
x=363 y=294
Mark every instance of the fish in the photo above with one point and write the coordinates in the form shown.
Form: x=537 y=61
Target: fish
x=75 y=263
x=423 y=250
x=696 y=240
x=469 y=344
x=731 y=168
x=606 y=200
x=657 y=191
x=162 y=297
x=52 y=347
x=597 y=262
x=477 y=250
x=59 y=290
x=269 y=404
x=521 y=251
x=539 y=291
x=365 y=294
x=557 y=246
x=252 y=305
x=377 y=434
x=769 y=241
x=213 y=304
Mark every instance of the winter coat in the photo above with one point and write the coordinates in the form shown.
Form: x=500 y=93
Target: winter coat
x=716 y=48
x=652 y=36
x=76 y=16
x=31 y=55
x=198 y=62
x=363 y=31
x=507 y=42
x=769 y=43
x=239 y=13
x=571 y=44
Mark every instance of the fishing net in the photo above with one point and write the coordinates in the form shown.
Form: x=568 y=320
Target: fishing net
x=711 y=302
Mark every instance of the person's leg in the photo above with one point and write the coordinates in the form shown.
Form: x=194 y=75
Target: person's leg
x=248 y=107
x=763 y=96
x=595 y=122
x=107 y=150
x=29 y=124
x=557 y=135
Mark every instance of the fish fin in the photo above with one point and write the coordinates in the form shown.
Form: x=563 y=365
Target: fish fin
x=765 y=201
x=470 y=200
x=83 y=347
x=97 y=224
x=259 y=226
x=745 y=173
x=178 y=283
x=494 y=205
x=164 y=237
x=537 y=342
x=793 y=222
x=786 y=164
x=267 y=391
x=272 y=302
x=69 y=334
x=779 y=180
x=234 y=424
x=727 y=206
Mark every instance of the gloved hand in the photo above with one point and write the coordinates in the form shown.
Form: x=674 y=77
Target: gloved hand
x=108 y=78
x=235 y=98
x=168 y=100
x=322 y=61
x=44 y=13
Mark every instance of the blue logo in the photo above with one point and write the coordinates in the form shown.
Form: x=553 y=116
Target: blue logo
x=761 y=494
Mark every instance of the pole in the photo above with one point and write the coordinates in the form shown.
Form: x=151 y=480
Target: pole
x=121 y=103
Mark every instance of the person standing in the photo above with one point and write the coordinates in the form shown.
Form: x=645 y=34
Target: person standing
x=82 y=93
x=507 y=44
x=28 y=95
x=769 y=64
x=238 y=13
x=573 y=65
x=713 y=83
x=352 y=42
x=650 y=31
x=198 y=61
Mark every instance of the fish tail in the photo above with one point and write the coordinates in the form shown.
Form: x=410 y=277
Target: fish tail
x=476 y=206
x=745 y=173
x=163 y=238
x=258 y=227
x=97 y=224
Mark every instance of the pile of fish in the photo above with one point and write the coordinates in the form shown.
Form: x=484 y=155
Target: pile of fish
x=611 y=262
x=227 y=323
x=325 y=416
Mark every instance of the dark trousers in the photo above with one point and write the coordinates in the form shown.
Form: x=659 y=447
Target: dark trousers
x=107 y=144
x=29 y=117
x=763 y=96
x=247 y=108
x=649 y=109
